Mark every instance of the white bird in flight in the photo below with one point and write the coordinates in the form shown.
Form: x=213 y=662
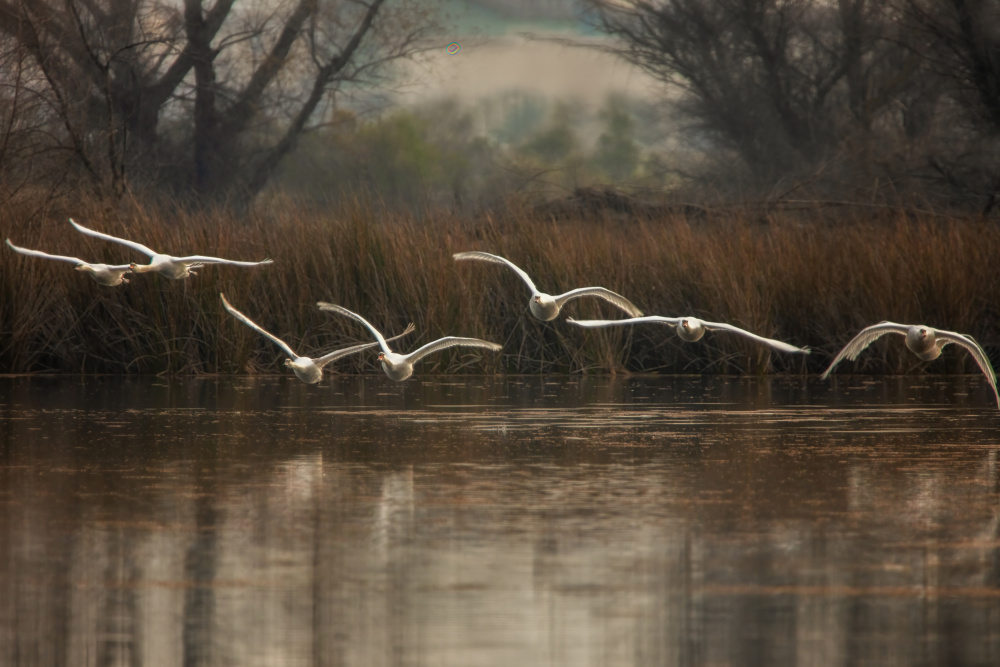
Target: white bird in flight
x=167 y=265
x=400 y=366
x=923 y=341
x=307 y=369
x=692 y=329
x=105 y=274
x=545 y=306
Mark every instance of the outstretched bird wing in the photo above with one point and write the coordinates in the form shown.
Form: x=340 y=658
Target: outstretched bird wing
x=337 y=354
x=253 y=325
x=611 y=297
x=334 y=308
x=496 y=259
x=202 y=259
x=865 y=338
x=61 y=258
x=672 y=321
x=770 y=342
x=970 y=344
x=107 y=237
x=449 y=341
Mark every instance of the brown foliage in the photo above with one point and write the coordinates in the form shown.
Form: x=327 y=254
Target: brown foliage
x=799 y=277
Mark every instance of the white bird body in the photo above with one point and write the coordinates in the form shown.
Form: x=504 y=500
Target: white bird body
x=166 y=265
x=692 y=329
x=546 y=307
x=104 y=274
x=924 y=341
x=307 y=369
x=400 y=366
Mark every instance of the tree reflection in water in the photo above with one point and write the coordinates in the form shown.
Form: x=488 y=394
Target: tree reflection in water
x=650 y=520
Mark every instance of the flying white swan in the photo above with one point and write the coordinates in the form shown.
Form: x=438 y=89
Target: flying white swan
x=400 y=366
x=692 y=329
x=105 y=274
x=545 y=306
x=167 y=265
x=307 y=369
x=924 y=341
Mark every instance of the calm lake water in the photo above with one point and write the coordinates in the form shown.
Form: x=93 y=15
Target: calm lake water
x=499 y=521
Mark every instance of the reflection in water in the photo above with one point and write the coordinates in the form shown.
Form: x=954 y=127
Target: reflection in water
x=566 y=521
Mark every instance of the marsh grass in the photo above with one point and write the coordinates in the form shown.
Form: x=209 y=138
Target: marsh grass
x=799 y=277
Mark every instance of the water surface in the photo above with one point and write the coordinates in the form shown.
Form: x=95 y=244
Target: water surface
x=499 y=521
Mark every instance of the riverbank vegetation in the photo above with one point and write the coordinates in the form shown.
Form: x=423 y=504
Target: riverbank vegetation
x=806 y=276
x=857 y=184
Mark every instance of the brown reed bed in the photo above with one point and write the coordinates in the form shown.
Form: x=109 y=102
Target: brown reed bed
x=799 y=277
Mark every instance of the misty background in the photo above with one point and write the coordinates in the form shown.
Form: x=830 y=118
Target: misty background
x=887 y=103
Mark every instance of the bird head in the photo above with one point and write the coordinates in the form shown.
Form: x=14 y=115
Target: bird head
x=385 y=360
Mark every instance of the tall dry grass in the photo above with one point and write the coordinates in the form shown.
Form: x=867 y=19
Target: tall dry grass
x=799 y=277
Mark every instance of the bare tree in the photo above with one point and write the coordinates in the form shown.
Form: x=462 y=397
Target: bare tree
x=960 y=42
x=788 y=85
x=23 y=124
x=206 y=97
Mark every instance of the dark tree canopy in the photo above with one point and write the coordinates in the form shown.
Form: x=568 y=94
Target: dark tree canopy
x=890 y=92
x=191 y=96
x=960 y=42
